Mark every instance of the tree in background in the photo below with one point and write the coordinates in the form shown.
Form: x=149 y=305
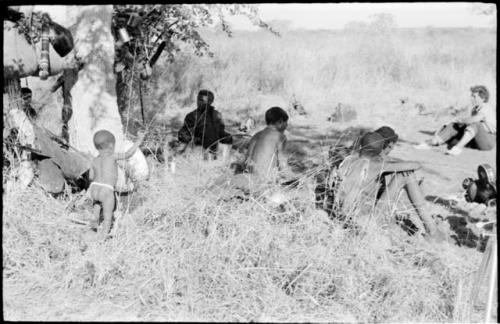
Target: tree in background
x=487 y=9
x=138 y=35
x=144 y=32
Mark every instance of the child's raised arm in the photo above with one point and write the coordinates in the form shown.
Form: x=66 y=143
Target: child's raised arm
x=91 y=173
x=131 y=151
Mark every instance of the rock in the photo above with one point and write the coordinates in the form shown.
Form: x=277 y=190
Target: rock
x=343 y=113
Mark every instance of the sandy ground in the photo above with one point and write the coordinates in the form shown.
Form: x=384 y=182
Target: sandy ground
x=442 y=174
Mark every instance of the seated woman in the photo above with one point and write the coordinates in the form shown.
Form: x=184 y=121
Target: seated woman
x=477 y=131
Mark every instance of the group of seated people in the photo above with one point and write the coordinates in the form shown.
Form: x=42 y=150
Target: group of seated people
x=366 y=180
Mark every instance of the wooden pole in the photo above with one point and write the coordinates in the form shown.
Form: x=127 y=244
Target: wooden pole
x=492 y=285
x=142 y=104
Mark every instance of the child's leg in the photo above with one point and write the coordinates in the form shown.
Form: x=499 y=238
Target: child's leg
x=108 y=205
x=97 y=213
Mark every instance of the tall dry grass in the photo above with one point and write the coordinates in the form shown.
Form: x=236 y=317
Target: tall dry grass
x=368 y=68
x=180 y=253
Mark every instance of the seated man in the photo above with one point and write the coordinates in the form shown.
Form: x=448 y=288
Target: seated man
x=204 y=125
x=477 y=131
x=358 y=184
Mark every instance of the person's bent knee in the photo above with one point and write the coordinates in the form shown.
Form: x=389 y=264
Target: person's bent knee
x=486 y=146
x=473 y=128
x=405 y=177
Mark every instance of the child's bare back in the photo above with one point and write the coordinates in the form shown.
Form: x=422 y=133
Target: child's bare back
x=103 y=174
x=263 y=156
x=105 y=169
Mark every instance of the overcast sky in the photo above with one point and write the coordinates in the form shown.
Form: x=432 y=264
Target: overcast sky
x=336 y=15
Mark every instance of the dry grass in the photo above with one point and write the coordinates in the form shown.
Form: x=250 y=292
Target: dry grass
x=369 y=70
x=178 y=253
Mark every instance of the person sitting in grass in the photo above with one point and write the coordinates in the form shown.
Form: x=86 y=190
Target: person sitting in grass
x=204 y=126
x=264 y=161
x=390 y=139
x=27 y=105
x=359 y=182
x=264 y=157
x=104 y=174
x=477 y=131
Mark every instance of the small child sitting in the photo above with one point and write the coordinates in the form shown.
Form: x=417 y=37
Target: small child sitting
x=103 y=174
x=264 y=157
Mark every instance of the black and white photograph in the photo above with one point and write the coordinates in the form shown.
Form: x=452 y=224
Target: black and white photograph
x=250 y=162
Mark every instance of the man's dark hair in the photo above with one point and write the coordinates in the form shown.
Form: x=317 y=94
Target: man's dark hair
x=481 y=91
x=388 y=134
x=275 y=114
x=26 y=91
x=371 y=144
x=207 y=93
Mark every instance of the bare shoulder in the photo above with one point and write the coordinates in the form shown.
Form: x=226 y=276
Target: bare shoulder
x=375 y=164
x=375 y=168
x=259 y=134
x=95 y=160
x=273 y=133
x=105 y=159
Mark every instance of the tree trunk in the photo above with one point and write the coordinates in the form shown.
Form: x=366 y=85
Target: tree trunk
x=94 y=97
x=94 y=101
